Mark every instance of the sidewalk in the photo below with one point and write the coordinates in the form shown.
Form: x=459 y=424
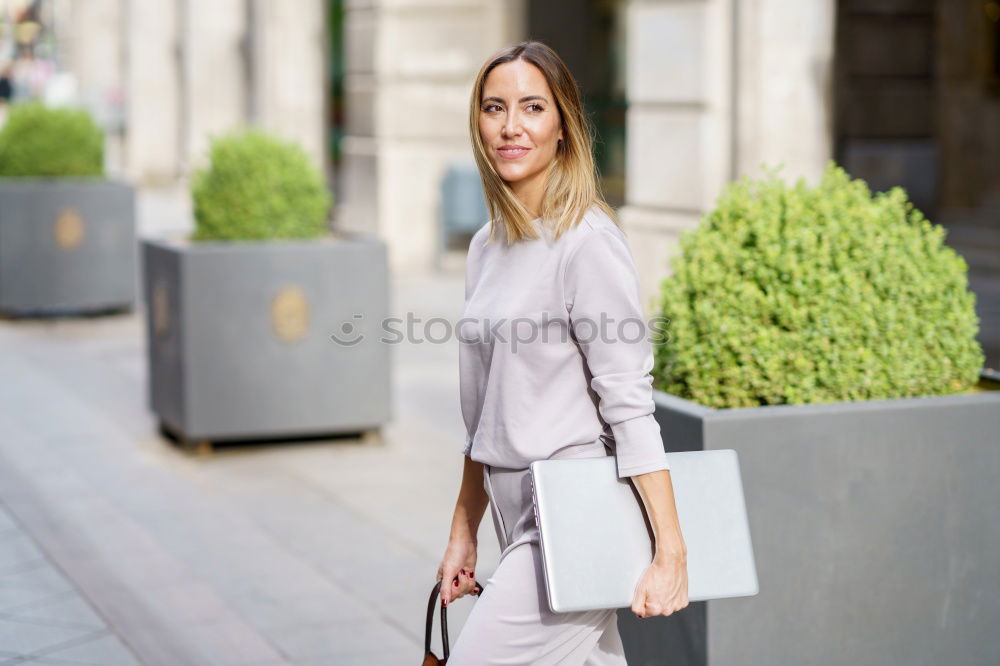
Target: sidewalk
x=308 y=554
x=43 y=617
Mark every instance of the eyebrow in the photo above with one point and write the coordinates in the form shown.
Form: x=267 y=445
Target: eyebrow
x=520 y=101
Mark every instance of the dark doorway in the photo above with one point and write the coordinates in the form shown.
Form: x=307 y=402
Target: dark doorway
x=335 y=74
x=589 y=36
x=917 y=104
x=884 y=106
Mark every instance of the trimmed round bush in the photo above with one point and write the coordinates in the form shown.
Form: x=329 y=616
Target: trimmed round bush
x=258 y=187
x=792 y=295
x=41 y=142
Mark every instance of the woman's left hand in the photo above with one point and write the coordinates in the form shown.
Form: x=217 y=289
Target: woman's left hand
x=663 y=587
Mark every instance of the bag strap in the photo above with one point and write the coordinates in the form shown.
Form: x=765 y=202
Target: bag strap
x=444 y=619
x=430 y=618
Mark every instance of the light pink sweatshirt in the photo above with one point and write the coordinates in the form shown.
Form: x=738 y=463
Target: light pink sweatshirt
x=538 y=378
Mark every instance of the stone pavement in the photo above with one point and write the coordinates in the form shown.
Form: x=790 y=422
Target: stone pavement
x=305 y=553
x=43 y=617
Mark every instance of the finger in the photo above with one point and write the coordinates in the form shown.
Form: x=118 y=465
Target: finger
x=461 y=591
x=468 y=583
x=458 y=583
x=449 y=585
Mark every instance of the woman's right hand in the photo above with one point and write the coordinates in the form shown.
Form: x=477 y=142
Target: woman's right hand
x=457 y=569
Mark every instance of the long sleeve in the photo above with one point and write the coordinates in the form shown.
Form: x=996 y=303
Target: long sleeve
x=462 y=356
x=601 y=288
x=471 y=369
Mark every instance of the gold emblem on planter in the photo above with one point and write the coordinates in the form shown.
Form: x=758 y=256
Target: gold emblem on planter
x=160 y=309
x=290 y=314
x=69 y=229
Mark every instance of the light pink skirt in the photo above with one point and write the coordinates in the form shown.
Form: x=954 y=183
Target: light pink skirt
x=511 y=622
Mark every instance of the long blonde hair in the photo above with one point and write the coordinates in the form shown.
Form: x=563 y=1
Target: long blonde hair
x=571 y=186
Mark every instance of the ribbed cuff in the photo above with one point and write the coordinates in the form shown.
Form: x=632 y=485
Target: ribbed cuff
x=639 y=446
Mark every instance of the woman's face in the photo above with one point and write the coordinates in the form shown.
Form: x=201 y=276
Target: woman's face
x=519 y=123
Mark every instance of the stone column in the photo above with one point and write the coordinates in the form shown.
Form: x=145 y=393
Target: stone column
x=91 y=37
x=153 y=144
x=214 y=74
x=288 y=72
x=679 y=150
x=714 y=88
x=410 y=68
x=153 y=89
x=784 y=86
x=356 y=207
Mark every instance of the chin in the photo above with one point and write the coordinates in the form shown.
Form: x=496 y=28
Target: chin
x=513 y=175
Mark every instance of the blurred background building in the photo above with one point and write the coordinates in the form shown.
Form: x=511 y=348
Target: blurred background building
x=685 y=97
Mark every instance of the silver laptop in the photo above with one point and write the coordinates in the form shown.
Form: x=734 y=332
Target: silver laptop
x=596 y=541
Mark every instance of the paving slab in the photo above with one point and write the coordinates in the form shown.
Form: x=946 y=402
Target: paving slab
x=42 y=614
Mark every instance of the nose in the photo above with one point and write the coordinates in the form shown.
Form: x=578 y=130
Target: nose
x=512 y=126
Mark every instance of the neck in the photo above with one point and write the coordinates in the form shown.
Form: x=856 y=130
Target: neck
x=530 y=191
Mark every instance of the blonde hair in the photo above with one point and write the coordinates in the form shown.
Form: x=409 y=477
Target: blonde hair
x=571 y=186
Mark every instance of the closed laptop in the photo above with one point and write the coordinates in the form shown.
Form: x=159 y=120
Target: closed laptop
x=596 y=541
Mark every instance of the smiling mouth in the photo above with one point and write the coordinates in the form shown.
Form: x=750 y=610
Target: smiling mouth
x=512 y=153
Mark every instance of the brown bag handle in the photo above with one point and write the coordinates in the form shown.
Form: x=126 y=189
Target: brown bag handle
x=429 y=657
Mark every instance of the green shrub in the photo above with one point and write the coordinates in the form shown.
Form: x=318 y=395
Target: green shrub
x=37 y=141
x=258 y=187
x=791 y=295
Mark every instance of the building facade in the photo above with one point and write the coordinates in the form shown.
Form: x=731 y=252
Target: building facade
x=711 y=89
x=686 y=96
x=166 y=75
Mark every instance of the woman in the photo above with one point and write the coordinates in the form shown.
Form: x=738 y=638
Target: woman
x=547 y=368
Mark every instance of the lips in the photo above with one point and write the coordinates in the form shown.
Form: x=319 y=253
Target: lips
x=512 y=152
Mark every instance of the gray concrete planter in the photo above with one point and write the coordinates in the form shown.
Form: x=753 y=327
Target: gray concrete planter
x=239 y=337
x=876 y=532
x=67 y=246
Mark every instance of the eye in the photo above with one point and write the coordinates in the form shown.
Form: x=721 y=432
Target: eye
x=536 y=106
x=489 y=107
